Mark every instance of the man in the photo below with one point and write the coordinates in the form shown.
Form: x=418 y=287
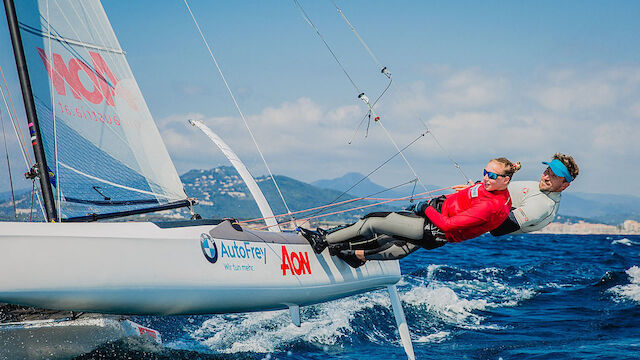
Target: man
x=535 y=204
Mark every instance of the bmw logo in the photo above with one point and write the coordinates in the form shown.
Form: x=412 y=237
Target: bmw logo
x=209 y=248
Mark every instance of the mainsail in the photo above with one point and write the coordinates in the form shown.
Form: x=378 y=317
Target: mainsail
x=103 y=150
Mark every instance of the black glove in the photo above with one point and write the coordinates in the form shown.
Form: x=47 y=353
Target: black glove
x=420 y=207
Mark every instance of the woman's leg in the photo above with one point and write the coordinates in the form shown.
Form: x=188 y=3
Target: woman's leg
x=393 y=224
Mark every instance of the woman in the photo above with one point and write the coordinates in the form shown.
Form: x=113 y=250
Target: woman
x=451 y=218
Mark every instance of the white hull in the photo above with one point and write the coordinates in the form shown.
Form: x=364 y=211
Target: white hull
x=140 y=268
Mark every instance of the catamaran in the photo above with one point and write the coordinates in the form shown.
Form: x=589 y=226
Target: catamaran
x=99 y=155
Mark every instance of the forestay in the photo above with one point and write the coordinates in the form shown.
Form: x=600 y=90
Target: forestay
x=103 y=150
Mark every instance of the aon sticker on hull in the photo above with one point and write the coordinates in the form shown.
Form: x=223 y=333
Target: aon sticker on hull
x=295 y=262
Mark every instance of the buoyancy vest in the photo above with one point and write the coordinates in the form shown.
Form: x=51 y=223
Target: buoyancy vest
x=471 y=212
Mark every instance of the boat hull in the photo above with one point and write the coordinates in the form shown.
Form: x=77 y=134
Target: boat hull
x=141 y=268
x=66 y=338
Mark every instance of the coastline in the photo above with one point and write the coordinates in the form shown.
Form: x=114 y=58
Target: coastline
x=628 y=227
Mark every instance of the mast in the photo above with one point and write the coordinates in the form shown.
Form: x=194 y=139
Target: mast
x=29 y=105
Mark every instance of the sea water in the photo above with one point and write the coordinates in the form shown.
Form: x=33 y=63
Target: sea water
x=515 y=297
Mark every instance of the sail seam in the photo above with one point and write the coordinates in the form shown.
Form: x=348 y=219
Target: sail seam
x=115 y=184
x=59 y=38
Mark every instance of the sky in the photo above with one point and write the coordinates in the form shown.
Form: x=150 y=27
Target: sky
x=522 y=80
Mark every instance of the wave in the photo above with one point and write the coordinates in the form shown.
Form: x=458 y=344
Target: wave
x=435 y=308
x=438 y=337
x=324 y=325
x=455 y=296
x=630 y=291
x=624 y=241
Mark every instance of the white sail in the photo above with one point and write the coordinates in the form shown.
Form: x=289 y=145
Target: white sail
x=102 y=146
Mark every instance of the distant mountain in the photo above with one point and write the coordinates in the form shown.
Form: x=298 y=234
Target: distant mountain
x=222 y=193
x=366 y=187
x=602 y=208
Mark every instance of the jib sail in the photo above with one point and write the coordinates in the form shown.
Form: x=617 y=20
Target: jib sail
x=103 y=150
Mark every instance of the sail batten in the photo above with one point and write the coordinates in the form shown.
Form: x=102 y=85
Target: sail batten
x=69 y=41
x=103 y=149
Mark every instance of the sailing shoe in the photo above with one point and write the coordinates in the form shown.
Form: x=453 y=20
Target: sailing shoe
x=315 y=239
x=350 y=258
x=334 y=249
x=322 y=232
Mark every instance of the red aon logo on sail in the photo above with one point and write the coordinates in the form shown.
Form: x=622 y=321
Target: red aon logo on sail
x=101 y=76
x=295 y=262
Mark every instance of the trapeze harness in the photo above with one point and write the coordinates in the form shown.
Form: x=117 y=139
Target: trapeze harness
x=532 y=209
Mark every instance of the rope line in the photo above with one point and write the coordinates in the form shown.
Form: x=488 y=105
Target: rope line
x=308 y=20
x=362 y=95
x=374 y=170
x=388 y=74
x=350 y=201
x=6 y=151
x=385 y=201
x=357 y=35
x=16 y=129
x=368 y=114
x=238 y=109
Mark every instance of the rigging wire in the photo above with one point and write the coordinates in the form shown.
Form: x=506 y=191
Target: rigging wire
x=33 y=191
x=369 y=197
x=17 y=129
x=239 y=110
x=388 y=74
x=374 y=170
x=368 y=114
x=357 y=35
x=362 y=95
x=382 y=201
x=6 y=151
x=18 y=133
x=308 y=20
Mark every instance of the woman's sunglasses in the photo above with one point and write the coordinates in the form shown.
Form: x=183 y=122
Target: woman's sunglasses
x=491 y=175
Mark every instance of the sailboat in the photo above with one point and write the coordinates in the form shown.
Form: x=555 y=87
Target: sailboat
x=99 y=155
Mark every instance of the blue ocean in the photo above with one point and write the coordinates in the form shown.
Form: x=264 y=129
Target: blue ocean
x=517 y=297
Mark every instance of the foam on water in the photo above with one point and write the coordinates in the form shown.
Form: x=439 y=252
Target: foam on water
x=264 y=332
x=457 y=302
x=632 y=290
x=623 y=241
x=452 y=303
x=438 y=337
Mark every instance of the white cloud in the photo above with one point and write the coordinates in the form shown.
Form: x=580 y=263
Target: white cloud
x=472 y=89
x=573 y=90
x=475 y=116
x=634 y=110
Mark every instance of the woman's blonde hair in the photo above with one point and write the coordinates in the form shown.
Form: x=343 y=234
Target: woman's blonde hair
x=509 y=167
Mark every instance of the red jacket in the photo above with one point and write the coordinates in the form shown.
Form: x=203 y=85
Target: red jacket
x=471 y=212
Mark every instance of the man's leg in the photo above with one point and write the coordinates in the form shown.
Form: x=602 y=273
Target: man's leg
x=385 y=248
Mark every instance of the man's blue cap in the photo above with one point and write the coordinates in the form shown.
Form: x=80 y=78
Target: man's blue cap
x=559 y=169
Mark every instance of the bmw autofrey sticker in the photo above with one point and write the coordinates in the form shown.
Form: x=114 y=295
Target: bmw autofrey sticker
x=209 y=248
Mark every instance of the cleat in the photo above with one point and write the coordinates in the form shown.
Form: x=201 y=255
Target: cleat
x=350 y=258
x=315 y=239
